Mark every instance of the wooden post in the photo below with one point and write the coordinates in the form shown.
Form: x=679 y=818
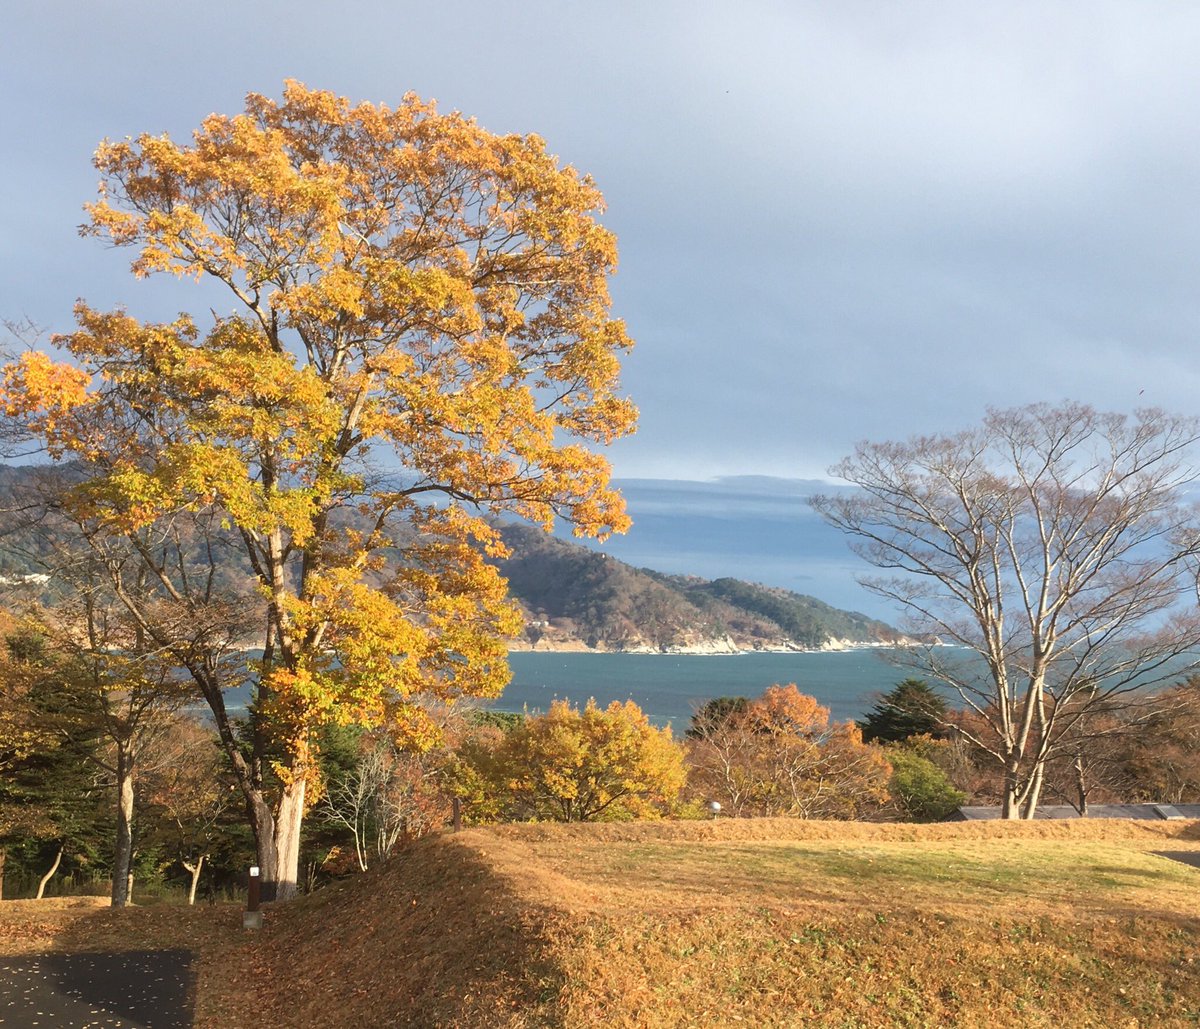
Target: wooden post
x=456 y=806
x=252 y=917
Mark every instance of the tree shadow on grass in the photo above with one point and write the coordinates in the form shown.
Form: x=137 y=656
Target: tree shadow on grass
x=433 y=937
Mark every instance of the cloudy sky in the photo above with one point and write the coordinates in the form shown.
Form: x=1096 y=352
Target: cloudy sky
x=837 y=221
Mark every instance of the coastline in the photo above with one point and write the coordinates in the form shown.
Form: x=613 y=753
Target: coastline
x=715 y=648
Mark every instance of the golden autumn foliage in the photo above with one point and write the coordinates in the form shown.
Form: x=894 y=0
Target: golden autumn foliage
x=421 y=336
x=779 y=755
x=572 y=765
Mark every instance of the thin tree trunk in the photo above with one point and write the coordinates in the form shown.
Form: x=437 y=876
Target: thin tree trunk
x=195 y=870
x=1010 y=809
x=50 y=874
x=3 y=859
x=123 y=854
x=1081 y=786
x=1033 y=793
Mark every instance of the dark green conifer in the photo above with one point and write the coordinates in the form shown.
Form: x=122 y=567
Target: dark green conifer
x=911 y=708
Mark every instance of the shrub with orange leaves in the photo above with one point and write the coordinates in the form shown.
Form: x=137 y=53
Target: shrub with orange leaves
x=779 y=755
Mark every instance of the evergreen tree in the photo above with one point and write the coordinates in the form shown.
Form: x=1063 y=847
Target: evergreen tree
x=49 y=802
x=911 y=708
x=714 y=713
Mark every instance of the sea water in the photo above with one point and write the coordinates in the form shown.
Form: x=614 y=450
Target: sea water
x=669 y=688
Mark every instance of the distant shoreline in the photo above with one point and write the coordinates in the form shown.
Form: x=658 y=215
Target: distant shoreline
x=707 y=650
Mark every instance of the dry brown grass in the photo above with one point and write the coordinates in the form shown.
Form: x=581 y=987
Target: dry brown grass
x=771 y=923
x=786 y=923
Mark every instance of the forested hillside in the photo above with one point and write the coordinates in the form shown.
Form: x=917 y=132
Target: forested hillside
x=573 y=595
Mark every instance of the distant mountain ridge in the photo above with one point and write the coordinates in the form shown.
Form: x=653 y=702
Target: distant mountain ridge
x=576 y=598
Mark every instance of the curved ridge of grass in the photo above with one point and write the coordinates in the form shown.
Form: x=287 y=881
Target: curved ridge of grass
x=769 y=923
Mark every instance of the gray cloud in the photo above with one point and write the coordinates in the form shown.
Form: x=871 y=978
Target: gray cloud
x=837 y=221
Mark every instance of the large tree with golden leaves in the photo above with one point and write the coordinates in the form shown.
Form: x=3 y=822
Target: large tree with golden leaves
x=422 y=336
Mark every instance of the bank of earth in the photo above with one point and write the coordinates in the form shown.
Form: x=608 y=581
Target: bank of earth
x=769 y=922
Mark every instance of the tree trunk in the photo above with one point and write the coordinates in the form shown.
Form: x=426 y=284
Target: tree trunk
x=1010 y=809
x=50 y=874
x=287 y=839
x=1033 y=792
x=195 y=870
x=279 y=868
x=1081 y=786
x=262 y=822
x=3 y=859
x=276 y=832
x=123 y=853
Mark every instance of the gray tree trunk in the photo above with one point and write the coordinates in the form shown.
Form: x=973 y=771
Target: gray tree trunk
x=122 y=889
x=1081 y=786
x=286 y=840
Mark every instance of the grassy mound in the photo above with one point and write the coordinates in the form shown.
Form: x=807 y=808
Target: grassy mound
x=772 y=922
x=767 y=922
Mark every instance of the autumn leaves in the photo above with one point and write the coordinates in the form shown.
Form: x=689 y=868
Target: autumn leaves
x=421 y=334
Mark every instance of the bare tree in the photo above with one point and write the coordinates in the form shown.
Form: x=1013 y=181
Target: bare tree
x=191 y=792
x=1051 y=548
x=388 y=796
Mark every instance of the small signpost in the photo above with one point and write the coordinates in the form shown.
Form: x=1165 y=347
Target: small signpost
x=252 y=917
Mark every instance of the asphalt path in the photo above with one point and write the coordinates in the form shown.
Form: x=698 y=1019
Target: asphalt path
x=140 y=989
x=1188 y=857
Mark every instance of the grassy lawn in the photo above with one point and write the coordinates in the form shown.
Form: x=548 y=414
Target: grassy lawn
x=1030 y=925
x=766 y=923
x=1018 y=874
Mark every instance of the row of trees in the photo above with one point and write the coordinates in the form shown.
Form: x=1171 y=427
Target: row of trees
x=912 y=757
x=1142 y=748
x=776 y=754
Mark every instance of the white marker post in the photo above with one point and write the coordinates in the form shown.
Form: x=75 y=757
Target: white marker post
x=252 y=917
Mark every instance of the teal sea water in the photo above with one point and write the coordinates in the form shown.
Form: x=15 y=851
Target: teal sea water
x=670 y=687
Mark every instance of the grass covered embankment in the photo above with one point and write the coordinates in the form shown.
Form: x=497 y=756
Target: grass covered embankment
x=771 y=922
